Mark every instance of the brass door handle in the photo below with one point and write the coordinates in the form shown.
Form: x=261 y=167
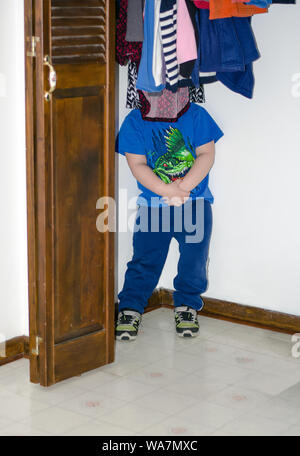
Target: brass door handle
x=52 y=77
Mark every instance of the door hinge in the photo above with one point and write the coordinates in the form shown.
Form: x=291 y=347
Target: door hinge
x=35 y=351
x=33 y=40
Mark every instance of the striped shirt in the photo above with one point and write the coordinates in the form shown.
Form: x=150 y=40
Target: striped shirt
x=168 y=29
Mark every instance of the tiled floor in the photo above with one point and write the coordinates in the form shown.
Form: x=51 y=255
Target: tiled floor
x=231 y=380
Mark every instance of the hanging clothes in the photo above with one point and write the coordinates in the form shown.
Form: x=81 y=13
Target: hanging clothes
x=125 y=50
x=168 y=29
x=260 y=3
x=220 y=9
x=197 y=77
x=158 y=65
x=151 y=60
x=202 y=4
x=241 y=82
x=207 y=78
x=225 y=44
x=192 y=10
x=132 y=98
x=135 y=21
x=186 y=41
x=197 y=95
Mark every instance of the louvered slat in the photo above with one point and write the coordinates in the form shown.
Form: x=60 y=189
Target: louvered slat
x=61 y=41
x=78 y=32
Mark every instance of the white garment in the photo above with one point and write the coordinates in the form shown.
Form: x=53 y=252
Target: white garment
x=157 y=63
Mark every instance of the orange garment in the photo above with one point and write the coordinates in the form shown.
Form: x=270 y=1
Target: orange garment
x=220 y=9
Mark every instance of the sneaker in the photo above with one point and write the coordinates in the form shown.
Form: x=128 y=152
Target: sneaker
x=128 y=325
x=186 y=321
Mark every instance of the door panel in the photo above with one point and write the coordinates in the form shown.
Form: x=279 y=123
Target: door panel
x=73 y=317
x=78 y=182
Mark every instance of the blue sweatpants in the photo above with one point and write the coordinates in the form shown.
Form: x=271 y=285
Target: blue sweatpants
x=191 y=226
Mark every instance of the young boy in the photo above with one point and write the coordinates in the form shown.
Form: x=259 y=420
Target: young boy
x=169 y=145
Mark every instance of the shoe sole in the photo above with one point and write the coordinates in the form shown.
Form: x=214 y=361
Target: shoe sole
x=126 y=336
x=187 y=333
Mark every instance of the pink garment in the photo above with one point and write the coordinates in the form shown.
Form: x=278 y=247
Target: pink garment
x=202 y=4
x=186 y=41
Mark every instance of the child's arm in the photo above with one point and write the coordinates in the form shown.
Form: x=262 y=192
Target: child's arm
x=144 y=174
x=203 y=164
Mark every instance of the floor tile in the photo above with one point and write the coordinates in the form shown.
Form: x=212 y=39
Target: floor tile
x=239 y=398
x=56 y=420
x=93 y=379
x=161 y=321
x=22 y=363
x=175 y=426
x=280 y=409
x=124 y=366
x=292 y=394
x=273 y=347
x=221 y=433
x=141 y=351
x=134 y=417
x=221 y=371
x=182 y=362
x=212 y=415
x=196 y=387
x=165 y=401
x=282 y=366
x=51 y=396
x=248 y=359
x=255 y=425
x=156 y=376
x=268 y=383
x=14 y=378
x=16 y=407
x=207 y=350
x=168 y=340
x=19 y=429
x=293 y=431
x=93 y=404
x=126 y=389
x=5 y=422
x=235 y=337
x=6 y=369
x=99 y=428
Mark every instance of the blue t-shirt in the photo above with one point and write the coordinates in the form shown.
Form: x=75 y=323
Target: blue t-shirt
x=170 y=147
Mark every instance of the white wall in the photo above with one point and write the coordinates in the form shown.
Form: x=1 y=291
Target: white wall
x=13 y=255
x=255 y=249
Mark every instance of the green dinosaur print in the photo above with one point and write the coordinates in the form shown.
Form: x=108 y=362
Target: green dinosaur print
x=175 y=163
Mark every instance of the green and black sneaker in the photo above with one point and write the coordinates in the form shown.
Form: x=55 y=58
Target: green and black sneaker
x=186 y=321
x=128 y=325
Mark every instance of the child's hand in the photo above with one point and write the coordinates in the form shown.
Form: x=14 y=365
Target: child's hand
x=174 y=195
x=183 y=186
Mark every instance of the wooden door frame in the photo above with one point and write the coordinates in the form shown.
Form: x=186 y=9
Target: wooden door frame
x=37 y=231
x=30 y=184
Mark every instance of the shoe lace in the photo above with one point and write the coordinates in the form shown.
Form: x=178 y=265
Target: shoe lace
x=128 y=319
x=187 y=315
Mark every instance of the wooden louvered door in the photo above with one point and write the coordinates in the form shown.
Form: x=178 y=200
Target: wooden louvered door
x=70 y=157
